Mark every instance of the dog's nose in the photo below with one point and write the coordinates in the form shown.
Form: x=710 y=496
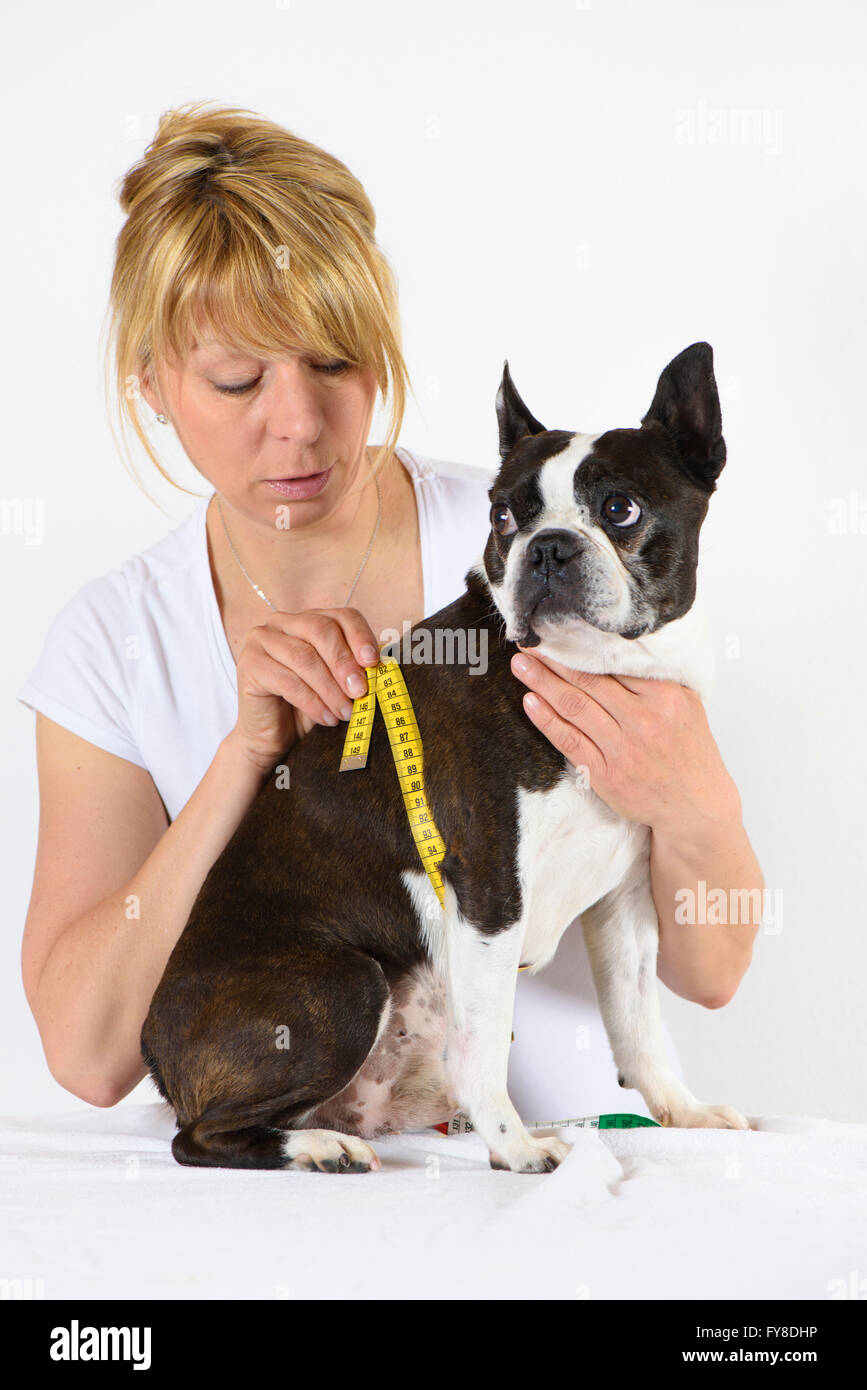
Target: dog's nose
x=551 y=550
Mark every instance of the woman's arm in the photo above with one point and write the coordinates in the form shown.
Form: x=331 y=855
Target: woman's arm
x=114 y=883
x=708 y=891
x=651 y=757
x=94 y=952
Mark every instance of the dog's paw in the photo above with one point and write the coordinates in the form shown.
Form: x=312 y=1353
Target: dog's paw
x=698 y=1116
x=536 y=1154
x=326 y=1151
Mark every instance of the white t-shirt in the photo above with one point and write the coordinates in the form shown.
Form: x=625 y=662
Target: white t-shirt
x=138 y=663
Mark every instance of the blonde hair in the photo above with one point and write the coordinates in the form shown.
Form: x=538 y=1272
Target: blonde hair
x=237 y=224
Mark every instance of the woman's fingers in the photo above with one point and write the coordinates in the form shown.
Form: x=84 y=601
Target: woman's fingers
x=303 y=672
x=311 y=660
x=342 y=638
x=574 y=743
x=300 y=669
x=590 y=702
x=276 y=678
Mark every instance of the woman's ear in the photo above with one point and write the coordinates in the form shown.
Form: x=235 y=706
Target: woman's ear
x=144 y=386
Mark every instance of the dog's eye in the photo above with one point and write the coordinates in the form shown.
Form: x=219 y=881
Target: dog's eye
x=620 y=510
x=502 y=520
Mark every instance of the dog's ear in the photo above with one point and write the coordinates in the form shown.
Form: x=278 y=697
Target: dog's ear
x=687 y=405
x=513 y=417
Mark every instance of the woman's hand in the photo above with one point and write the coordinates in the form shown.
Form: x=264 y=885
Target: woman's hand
x=297 y=670
x=649 y=754
x=646 y=744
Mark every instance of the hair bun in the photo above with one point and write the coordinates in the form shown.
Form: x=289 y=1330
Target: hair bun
x=189 y=140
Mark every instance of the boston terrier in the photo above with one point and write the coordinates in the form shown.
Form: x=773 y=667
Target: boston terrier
x=320 y=996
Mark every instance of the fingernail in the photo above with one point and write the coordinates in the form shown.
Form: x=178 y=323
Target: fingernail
x=369 y=654
x=329 y=717
x=356 y=685
x=531 y=700
x=520 y=663
x=346 y=711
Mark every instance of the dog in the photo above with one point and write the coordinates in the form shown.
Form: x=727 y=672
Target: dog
x=320 y=995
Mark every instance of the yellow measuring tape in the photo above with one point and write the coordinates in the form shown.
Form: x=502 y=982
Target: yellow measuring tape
x=387 y=685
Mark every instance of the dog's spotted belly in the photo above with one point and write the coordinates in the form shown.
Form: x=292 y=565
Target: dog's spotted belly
x=402 y=1084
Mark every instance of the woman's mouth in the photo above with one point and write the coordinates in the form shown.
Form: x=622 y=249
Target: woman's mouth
x=304 y=485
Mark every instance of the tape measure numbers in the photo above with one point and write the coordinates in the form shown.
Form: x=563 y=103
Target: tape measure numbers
x=387 y=686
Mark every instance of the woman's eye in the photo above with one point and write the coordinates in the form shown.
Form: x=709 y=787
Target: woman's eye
x=237 y=389
x=326 y=368
x=332 y=368
x=502 y=520
x=620 y=510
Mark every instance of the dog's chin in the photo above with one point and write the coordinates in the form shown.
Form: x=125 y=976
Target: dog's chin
x=535 y=626
x=525 y=637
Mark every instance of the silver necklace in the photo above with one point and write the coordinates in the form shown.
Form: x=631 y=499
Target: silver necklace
x=262 y=593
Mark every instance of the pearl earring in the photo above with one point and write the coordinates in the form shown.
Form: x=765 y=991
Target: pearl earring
x=163 y=419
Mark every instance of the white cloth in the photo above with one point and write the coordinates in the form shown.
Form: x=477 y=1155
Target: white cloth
x=138 y=663
x=94 y=1206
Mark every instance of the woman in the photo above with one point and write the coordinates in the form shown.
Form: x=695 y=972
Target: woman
x=253 y=311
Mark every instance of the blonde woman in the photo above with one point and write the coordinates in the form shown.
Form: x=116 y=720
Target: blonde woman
x=254 y=313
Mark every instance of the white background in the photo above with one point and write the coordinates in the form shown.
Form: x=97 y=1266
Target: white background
x=551 y=189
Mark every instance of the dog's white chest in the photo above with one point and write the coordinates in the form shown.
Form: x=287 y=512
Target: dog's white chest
x=572 y=850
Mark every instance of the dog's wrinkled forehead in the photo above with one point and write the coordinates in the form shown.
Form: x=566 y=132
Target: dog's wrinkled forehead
x=519 y=483
x=558 y=477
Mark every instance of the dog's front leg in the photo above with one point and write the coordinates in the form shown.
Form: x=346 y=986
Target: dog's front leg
x=622 y=936
x=482 y=969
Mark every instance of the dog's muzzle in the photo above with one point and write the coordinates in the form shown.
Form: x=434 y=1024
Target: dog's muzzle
x=549 y=582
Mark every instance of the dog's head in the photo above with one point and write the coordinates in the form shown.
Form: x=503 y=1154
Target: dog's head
x=603 y=529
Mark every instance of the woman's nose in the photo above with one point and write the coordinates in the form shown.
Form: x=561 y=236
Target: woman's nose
x=293 y=403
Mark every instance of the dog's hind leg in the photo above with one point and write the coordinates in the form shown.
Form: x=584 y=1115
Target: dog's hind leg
x=622 y=936
x=245 y=1066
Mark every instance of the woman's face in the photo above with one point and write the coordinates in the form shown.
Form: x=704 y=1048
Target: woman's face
x=252 y=425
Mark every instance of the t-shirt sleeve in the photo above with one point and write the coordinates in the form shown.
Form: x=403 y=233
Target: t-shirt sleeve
x=84 y=678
